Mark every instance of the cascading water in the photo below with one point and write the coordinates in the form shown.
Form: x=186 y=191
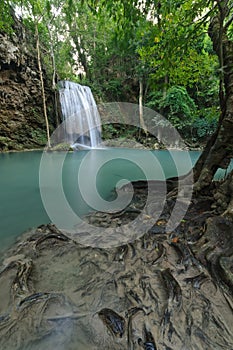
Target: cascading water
x=82 y=124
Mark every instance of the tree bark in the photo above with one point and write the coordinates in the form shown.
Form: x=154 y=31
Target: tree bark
x=54 y=85
x=140 y=100
x=219 y=150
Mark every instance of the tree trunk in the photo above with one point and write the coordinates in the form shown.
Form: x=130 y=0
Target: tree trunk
x=54 y=85
x=219 y=150
x=42 y=85
x=140 y=101
x=80 y=47
x=52 y=58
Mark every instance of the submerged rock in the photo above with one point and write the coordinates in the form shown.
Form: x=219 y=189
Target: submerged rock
x=57 y=293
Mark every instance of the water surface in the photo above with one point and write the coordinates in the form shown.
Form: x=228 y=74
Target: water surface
x=21 y=206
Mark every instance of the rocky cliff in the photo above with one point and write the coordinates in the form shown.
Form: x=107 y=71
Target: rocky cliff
x=22 y=124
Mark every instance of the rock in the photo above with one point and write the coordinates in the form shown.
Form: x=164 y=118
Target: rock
x=57 y=293
x=22 y=122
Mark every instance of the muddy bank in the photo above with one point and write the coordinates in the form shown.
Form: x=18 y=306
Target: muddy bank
x=162 y=290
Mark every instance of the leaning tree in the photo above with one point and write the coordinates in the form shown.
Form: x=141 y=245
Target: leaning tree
x=218 y=151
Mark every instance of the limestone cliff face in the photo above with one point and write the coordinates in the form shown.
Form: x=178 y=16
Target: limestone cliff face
x=22 y=122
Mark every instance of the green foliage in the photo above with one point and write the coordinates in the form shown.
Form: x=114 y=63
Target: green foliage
x=154 y=99
x=205 y=123
x=194 y=122
x=39 y=136
x=178 y=107
x=110 y=131
x=204 y=127
x=164 y=44
x=125 y=132
x=6 y=19
x=5 y=143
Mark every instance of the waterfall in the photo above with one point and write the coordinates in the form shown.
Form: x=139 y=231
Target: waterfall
x=82 y=124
